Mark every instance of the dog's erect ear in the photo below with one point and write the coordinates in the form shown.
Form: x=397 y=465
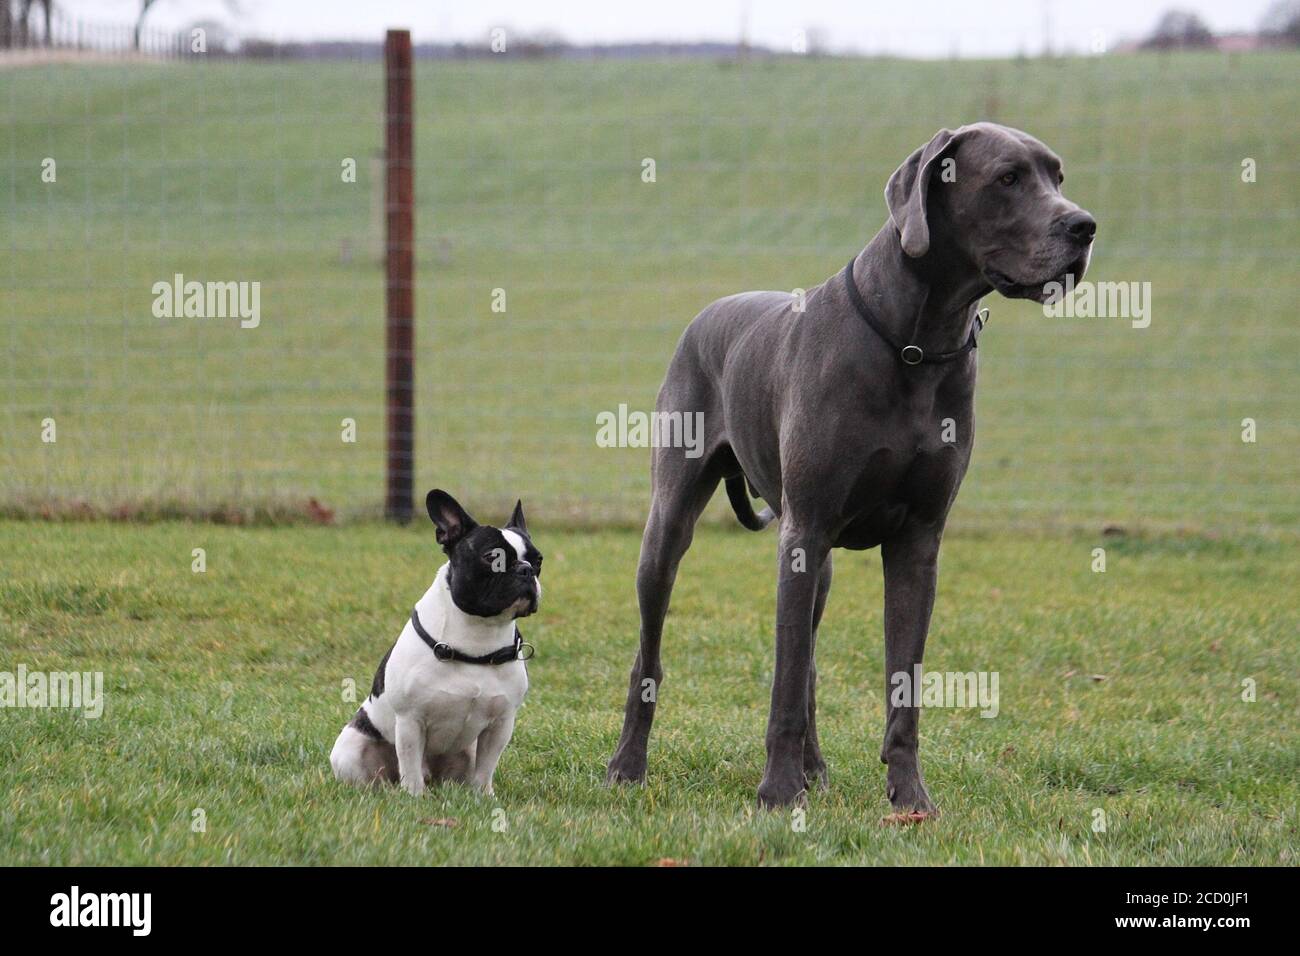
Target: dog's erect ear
x=517 y=519
x=908 y=189
x=452 y=520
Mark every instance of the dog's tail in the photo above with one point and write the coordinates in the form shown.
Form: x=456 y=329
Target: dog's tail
x=737 y=493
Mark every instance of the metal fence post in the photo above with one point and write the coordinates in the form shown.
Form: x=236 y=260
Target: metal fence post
x=399 y=201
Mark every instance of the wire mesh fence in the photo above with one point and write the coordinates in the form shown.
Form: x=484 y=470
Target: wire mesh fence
x=572 y=215
x=42 y=31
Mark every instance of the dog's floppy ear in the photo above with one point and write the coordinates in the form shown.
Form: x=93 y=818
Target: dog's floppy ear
x=517 y=519
x=908 y=189
x=453 y=521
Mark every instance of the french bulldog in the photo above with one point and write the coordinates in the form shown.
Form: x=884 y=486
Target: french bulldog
x=443 y=702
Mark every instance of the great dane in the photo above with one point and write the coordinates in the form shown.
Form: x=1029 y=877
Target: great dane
x=834 y=411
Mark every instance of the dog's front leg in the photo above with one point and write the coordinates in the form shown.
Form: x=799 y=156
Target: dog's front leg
x=911 y=562
x=814 y=765
x=410 y=754
x=801 y=554
x=491 y=743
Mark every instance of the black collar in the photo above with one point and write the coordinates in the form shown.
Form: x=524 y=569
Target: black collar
x=910 y=354
x=445 y=652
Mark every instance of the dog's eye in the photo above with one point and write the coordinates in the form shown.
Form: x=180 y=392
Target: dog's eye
x=1008 y=179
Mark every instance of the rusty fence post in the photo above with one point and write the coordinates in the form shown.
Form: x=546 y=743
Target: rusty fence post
x=399 y=203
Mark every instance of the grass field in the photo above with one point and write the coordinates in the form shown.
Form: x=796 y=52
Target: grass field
x=769 y=175
x=224 y=694
x=1121 y=693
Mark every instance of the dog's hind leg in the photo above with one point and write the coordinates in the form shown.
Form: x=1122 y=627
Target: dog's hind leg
x=682 y=488
x=357 y=758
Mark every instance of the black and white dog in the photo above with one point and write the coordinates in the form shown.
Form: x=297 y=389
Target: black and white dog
x=444 y=698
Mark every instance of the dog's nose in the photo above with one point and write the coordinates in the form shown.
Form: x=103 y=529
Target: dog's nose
x=523 y=569
x=1080 y=226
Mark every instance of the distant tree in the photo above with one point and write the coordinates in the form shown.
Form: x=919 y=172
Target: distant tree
x=139 y=21
x=1281 y=22
x=540 y=44
x=1179 y=29
x=15 y=28
x=47 y=6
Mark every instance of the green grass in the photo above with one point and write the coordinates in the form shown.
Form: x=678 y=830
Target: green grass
x=769 y=175
x=225 y=688
x=224 y=693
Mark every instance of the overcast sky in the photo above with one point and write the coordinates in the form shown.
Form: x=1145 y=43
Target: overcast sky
x=903 y=27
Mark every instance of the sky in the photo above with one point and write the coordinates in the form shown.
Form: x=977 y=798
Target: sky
x=921 y=28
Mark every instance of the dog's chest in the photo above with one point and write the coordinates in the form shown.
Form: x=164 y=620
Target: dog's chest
x=915 y=479
x=453 y=702
x=459 y=701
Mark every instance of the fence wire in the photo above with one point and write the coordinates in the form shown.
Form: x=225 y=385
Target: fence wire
x=554 y=275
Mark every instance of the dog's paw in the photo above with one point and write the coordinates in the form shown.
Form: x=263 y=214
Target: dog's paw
x=617 y=775
x=778 y=791
x=625 y=768
x=908 y=796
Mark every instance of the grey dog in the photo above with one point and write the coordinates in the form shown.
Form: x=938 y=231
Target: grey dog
x=833 y=410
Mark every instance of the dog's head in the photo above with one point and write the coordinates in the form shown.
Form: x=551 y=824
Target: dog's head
x=993 y=194
x=492 y=571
